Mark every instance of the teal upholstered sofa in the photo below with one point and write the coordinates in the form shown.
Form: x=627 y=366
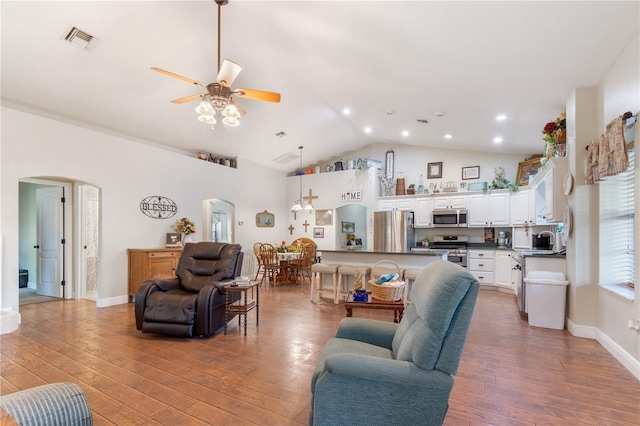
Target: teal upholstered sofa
x=381 y=373
x=54 y=404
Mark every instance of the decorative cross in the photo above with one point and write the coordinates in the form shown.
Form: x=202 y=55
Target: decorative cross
x=290 y=228
x=310 y=197
x=305 y=224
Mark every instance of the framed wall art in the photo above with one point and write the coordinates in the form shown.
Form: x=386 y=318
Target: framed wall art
x=265 y=220
x=348 y=227
x=318 y=232
x=324 y=217
x=527 y=168
x=434 y=170
x=471 y=172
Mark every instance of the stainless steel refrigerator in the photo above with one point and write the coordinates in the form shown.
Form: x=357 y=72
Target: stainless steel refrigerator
x=393 y=231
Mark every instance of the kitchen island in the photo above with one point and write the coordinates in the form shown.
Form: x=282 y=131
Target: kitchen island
x=369 y=257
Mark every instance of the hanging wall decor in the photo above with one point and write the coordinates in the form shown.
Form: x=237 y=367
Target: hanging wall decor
x=158 y=207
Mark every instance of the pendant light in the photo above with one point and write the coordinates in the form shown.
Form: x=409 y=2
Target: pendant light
x=297 y=206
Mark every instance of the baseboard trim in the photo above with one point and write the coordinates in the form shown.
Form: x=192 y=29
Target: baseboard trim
x=618 y=352
x=112 y=301
x=9 y=320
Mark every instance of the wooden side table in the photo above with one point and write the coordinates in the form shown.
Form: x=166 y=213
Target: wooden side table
x=397 y=307
x=244 y=304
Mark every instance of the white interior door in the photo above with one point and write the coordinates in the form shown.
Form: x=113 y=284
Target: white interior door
x=49 y=233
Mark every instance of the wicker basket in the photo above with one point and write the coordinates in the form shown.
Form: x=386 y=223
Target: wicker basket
x=385 y=293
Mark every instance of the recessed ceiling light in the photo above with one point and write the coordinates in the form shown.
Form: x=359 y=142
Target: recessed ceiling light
x=346 y=111
x=405 y=133
x=501 y=117
x=367 y=130
x=448 y=136
x=440 y=114
x=497 y=139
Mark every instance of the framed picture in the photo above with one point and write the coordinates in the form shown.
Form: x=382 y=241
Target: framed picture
x=348 y=227
x=527 y=168
x=434 y=170
x=471 y=172
x=324 y=217
x=265 y=220
x=358 y=241
x=318 y=232
x=173 y=239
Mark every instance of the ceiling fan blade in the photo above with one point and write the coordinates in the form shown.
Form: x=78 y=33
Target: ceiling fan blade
x=259 y=95
x=228 y=73
x=187 y=98
x=174 y=75
x=237 y=105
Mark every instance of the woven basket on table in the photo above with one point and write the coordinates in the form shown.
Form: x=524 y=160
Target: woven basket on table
x=385 y=293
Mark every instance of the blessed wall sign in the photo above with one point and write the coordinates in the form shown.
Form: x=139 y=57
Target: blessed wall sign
x=158 y=207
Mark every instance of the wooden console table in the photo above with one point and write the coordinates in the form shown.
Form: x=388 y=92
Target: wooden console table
x=148 y=264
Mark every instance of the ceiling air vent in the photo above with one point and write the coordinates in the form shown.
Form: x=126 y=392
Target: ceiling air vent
x=285 y=158
x=81 y=39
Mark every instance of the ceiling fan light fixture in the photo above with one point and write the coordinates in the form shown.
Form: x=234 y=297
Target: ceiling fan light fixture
x=230 y=122
x=205 y=108
x=296 y=207
x=231 y=111
x=207 y=119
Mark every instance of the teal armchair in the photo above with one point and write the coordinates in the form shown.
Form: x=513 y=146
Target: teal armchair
x=380 y=373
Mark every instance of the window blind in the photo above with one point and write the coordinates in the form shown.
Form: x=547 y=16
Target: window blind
x=617 y=196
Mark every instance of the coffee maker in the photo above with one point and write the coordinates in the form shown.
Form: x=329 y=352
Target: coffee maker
x=504 y=239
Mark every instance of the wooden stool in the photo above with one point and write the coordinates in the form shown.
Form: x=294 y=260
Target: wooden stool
x=318 y=270
x=409 y=277
x=350 y=270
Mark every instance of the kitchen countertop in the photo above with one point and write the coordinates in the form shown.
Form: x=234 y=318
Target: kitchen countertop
x=431 y=252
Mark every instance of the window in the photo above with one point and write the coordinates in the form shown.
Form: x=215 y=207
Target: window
x=617 y=197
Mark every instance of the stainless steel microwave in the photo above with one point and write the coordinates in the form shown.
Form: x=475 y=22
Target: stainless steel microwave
x=450 y=218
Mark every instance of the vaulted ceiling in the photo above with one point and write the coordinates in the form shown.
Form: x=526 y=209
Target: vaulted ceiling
x=391 y=63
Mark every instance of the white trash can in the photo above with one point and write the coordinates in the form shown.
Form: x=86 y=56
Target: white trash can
x=546 y=297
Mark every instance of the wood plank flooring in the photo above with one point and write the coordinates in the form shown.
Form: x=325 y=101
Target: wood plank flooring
x=510 y=373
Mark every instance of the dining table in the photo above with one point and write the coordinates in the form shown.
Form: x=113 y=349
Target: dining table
x=285 y=259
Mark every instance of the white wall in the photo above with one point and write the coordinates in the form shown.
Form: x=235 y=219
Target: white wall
x=126 y=171
x=595 y=311
x=620 y=92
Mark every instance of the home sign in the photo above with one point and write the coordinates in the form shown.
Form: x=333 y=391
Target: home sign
x=351 y=196
x=158 y=207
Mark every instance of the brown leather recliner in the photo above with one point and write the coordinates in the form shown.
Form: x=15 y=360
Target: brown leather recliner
x=191 y=304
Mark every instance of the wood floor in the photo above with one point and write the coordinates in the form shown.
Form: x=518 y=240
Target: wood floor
x=510 y=373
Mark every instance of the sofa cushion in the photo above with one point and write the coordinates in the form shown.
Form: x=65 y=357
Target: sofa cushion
x=337 y=345
x=423 y=328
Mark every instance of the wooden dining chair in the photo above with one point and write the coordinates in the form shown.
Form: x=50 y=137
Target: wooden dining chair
x=270 y=263
x=256 y=251
x=302 y=266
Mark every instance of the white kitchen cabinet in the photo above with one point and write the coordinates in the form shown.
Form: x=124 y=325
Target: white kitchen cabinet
x=423 y=213
x=504 y=269
x=489 y=209
x=480 y=264
x=388 y=204
x=550 y=199
x=451 y=202
x=523 y=210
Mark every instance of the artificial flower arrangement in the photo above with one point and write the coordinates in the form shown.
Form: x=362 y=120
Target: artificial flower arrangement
x=553 y=133
x=185 y=226
x=284 y=248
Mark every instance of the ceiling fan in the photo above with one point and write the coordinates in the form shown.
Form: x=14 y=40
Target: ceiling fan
x=218 y=98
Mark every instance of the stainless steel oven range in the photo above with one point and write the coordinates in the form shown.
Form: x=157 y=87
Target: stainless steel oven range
x=456 y=246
